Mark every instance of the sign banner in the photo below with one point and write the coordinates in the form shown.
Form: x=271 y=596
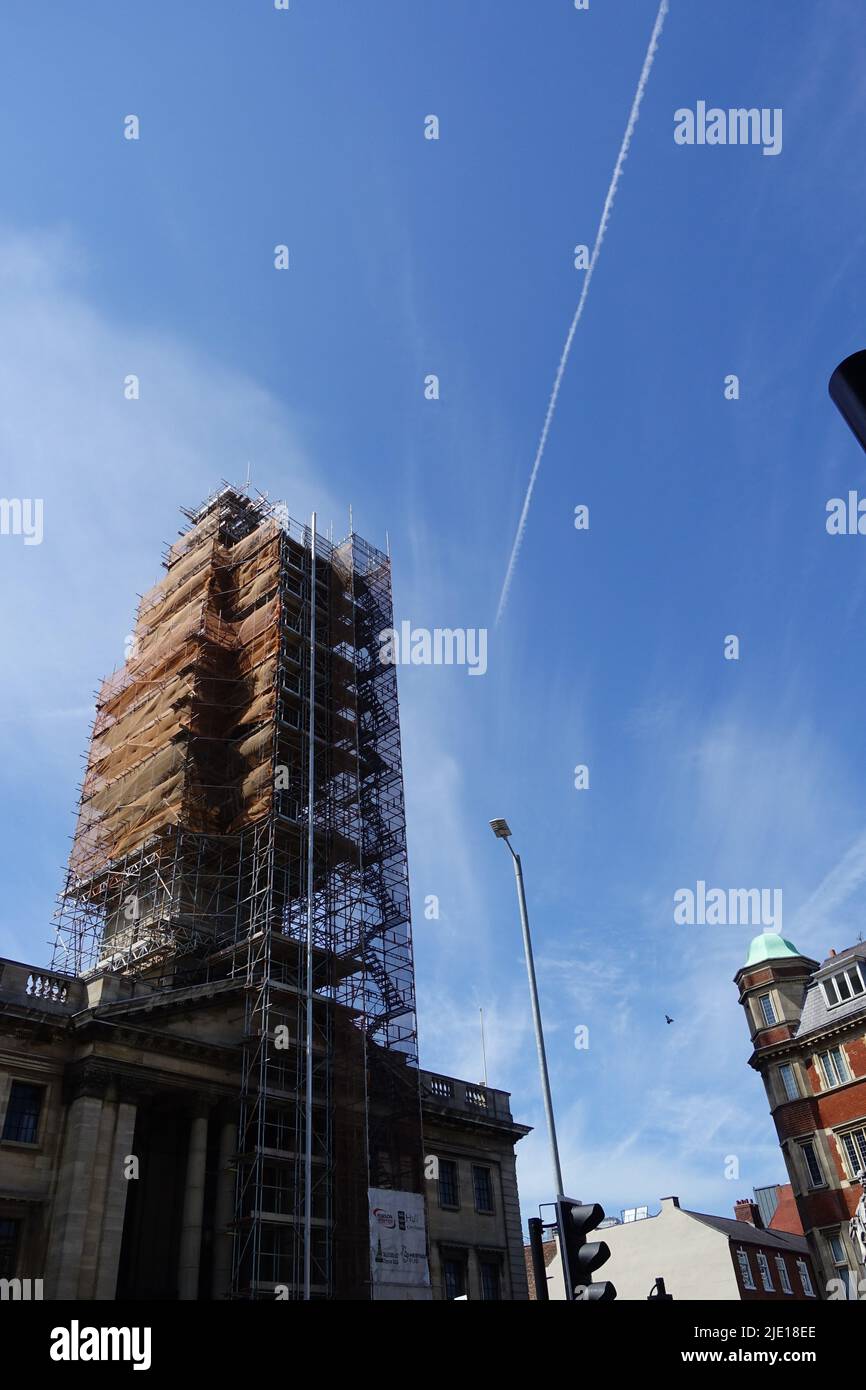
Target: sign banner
x=398 y=1239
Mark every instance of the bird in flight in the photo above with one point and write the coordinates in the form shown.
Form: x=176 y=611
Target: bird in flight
x=668 y=1018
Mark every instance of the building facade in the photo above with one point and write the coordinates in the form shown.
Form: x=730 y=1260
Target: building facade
x=807 y=1023
x=700 y=1257
x=476 y=1240
x=119 y=1106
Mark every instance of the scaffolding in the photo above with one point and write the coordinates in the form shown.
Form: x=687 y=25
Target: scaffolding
x=242 y=817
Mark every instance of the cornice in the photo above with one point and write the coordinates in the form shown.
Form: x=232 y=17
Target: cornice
x=807 y=1042
x=456 y=1119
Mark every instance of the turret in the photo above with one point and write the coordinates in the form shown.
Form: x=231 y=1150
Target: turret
x=772 y=986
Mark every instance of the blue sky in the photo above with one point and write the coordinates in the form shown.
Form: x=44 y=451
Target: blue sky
x=454 y=257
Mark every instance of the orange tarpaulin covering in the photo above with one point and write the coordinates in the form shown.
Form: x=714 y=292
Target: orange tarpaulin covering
x=184 y=731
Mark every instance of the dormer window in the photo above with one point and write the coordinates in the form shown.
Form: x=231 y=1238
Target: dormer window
x=845 y=985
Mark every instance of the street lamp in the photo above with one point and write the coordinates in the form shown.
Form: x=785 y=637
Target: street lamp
x=501 y=830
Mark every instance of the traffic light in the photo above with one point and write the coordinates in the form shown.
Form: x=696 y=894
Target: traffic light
x=848 y=393
x=581 y=1258
x=539 y=1268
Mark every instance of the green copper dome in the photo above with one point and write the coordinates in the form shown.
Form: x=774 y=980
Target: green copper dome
x=770 y=946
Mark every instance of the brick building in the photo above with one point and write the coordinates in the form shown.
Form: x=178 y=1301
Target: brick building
x=807 y=1023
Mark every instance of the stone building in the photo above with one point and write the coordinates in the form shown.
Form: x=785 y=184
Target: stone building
x=215 y=1089
x=473 y=1208
x=807 y=1024
x=118 y=1136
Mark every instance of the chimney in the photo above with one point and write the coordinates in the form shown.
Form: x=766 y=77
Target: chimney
x=747 y=1210
x=832 y=953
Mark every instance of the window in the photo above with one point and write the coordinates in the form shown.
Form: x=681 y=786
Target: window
x=846 y=985
x=745 y=1269
x=768 y=1009
x=766 y=1277
x=9 y=1231
x=854 y=1145
x=805 y=1281
x=782 y=1270
x=816 y=1177
x=454 y=1278
x=449 y=1188
x=840 y=1263
x=22 y=1113
x=483 y=1189
x=789 y=1081
x=834 y=1067
x=490 y=1290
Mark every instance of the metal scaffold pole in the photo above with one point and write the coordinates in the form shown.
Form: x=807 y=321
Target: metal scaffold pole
x=311 y=766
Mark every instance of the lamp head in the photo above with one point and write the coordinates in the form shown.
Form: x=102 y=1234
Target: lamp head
x=500 y=829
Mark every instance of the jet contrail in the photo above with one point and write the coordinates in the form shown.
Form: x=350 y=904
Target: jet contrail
x=578 y=314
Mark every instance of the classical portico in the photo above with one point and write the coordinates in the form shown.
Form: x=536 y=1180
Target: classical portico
x=118 y=1146
x=137 y=1096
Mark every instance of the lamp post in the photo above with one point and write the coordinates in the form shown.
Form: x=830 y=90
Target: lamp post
x=502 y=832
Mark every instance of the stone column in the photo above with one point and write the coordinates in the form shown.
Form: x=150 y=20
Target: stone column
x=96 y=1207
x=72 y=1195
x=116 y=1191
x=224 y=1210
x=193 y=1204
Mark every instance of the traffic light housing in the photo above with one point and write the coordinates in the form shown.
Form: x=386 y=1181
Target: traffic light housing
x=580 y=1257
x=848 y=393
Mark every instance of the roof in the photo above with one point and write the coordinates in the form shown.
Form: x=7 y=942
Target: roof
x=817 y=1014
x=747 y=1234
x=769 y=945
x=767 y=1199
x=786 y=1217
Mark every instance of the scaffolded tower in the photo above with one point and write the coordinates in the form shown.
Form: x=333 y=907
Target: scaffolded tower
x=242 y=816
